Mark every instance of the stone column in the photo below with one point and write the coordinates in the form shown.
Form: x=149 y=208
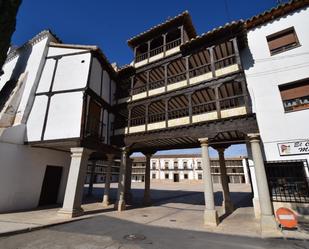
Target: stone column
x=110 y=161
x=128 y=194
x=267 y=217
x=91 y=179
x=75 y=184
x=210 y=214
x=227 y=203
x=147 y=198
x=120 y=204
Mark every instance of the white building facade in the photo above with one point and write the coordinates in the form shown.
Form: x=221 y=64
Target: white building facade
x=276 y=67
x=54 y=97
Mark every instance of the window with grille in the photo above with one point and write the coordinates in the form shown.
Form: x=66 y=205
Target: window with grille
x=288 y=181
x=295 y=96
x=282 y=41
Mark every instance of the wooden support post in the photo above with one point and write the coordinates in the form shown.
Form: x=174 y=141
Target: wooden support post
x=165 y=77
x=129 y=120
x=135 y=48
x=187 y=70
x=146 y=116
x=164 y=45
x=148 y=50
x=166 y=112
x=246 y=95
x=132 y=86
x=235 y=45
x=147 y=83
x=212 y=61
x=181 y=34
x=190 y=106
x=218 y=107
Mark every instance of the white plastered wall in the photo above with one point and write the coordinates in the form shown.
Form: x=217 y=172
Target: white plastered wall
x=265 y=73
x=22 y=176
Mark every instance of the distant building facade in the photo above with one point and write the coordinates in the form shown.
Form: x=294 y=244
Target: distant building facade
x=186 y=167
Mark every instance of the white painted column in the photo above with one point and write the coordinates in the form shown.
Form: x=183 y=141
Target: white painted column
x=147 y=198
x=110 y=162
x=120 y=204
x=75 y=184
x=210 y=214
x=267 y=217
x=227 y=203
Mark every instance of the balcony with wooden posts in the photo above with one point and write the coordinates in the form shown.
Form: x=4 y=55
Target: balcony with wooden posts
x=202 y=65
x=219 y=101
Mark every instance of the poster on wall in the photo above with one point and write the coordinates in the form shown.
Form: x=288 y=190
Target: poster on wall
x=294 y=148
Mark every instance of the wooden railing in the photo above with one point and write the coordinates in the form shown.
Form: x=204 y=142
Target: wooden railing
x=158 y=117
x=94 y=129
x=156 y=84
x=178 y=113
x=157 y=50
x=204 y=107
x=176 y=78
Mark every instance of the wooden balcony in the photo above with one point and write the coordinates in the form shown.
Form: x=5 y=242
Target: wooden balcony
x=204 y=65
x=150 y=118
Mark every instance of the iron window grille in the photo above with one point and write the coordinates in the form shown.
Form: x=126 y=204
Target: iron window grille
x=288 y=181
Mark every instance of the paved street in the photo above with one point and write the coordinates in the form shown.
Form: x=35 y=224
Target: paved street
x=174 y=221
x=106 y=232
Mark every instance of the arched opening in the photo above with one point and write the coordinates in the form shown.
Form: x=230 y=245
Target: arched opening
x=173 y=39
x=176 y=71
x=203 y=101
x=156 y=78
x=156 y=112
x=156 y=46
x=199 y=63
x=138 y=115
x=141 y=52
x=178 y=107
x=140 y=81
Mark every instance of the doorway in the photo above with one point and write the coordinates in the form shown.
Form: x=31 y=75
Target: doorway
x=176 y=177
x=50 y=186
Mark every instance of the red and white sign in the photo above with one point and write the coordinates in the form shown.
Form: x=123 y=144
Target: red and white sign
x=294 y=148
x=286 y=218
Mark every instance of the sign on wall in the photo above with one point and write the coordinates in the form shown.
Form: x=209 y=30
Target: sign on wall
x=294 y=148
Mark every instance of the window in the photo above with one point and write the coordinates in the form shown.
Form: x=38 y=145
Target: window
x=199 y=165
x=287 y=181
x=166 y=165
x=166 y=176
x=186 y=176
x=153 y=176
x=175 y=165
x=153 y=165
x=282 y=41
x=295 y=96
x=185 y=165
x=199 y=176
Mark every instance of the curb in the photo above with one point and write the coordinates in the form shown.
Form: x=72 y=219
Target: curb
x=39 y=227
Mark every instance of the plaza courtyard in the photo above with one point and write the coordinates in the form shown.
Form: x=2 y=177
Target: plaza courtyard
x=174 y=220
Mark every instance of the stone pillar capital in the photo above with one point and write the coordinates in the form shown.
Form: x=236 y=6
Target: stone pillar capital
x=203 y=141
x=254 y=137
x=80 y=151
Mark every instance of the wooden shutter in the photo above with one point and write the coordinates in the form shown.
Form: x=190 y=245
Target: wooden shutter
x=282 y=39
x=296 y=91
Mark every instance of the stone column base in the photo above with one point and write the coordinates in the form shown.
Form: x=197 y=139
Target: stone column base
x=268 y=225
x=256 y=207
x=211 y=217
x=228 y=207
x=70 y=213
x=105 y=202
x=120 y=206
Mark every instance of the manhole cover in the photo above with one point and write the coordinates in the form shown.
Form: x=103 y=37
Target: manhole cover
x=133 y=237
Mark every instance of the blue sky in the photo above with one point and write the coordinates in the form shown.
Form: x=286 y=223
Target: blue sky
x=109 y=24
